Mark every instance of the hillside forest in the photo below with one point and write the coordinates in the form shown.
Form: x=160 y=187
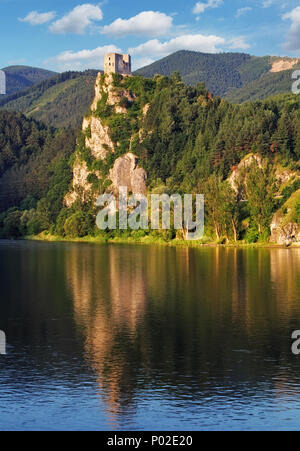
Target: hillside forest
x=193 y=142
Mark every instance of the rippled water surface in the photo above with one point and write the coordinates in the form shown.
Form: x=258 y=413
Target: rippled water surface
x=133 y=338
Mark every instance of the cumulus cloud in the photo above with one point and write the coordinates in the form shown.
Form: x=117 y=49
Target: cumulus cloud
x=267 y=3
x=293 y=38
x=146 y=53
x=200 y=7
x=35 y=18
x=196 y=42
x=147 y=23
x=77 y=20
x=139 y=62
x=242 y=11
x=238 y=43
x=84 y=59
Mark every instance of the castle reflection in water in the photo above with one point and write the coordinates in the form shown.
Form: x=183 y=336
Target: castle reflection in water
x=163 y=317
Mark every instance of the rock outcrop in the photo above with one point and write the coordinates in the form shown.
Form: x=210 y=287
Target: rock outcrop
x=98 y=142
x=284 y=64
x=283 y=175
x=284 y=233
x=237 y=171
x=106 y=86
x=285 y=227
x=81 y=186
x=127 y=173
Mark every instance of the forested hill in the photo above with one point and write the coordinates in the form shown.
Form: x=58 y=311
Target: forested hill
x=186 y=140
x=60 y=101
x=19 y=78
x=63 y=99
x=236 y=76
x=30 y=155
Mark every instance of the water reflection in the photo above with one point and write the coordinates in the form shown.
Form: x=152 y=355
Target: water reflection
x=109 y=294
x=133 y=337
x=208 y=326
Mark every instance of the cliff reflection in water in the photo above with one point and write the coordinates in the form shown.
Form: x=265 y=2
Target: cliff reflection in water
x=189 y=322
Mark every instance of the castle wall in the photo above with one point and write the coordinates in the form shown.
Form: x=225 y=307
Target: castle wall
x=119 y=64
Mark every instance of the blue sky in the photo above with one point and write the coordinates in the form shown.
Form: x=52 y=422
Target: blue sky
x=66 y=34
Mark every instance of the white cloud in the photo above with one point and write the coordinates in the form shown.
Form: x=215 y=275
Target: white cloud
x=35 y=18
x=240 y=12
x=195 y=42
x=77 y=20
x=143 y=55
x=84 y=59
x=147 y=23
x=146 y=53
x=267 y=3
x=200 y=7
x=137 y=63
x=293 y=38
x=238 y=43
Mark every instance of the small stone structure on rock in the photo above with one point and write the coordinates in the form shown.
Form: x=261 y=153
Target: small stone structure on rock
x=98 y=144
x=114 y=63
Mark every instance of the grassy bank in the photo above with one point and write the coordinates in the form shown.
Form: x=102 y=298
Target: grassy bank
x=149 y=240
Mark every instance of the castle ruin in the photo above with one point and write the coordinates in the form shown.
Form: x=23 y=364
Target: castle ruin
x=115 y=63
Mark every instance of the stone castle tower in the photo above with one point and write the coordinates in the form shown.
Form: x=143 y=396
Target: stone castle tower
x=115 y=63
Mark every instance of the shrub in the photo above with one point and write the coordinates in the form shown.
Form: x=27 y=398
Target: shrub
x=12 y=225
x=297 y=213
x=252 y=235
x=124 y=102
x=76 y=225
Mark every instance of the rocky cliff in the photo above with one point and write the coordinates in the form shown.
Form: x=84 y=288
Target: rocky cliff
x=126 y=172
x=284 y=176
x=285 y=224
x=104 y=160
x=284 y=227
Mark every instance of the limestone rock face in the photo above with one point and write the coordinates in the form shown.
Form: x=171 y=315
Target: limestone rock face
x=127 y=173
x=114 y=96
x=284 y=64
x=80 y=183
x=146 y=109
x=98 y=94
x=244 y=164
x=285 y=228
x=99 y=142
x=284 y=233
x=282 y=175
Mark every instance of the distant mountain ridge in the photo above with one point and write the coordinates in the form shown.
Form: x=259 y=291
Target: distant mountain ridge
x=59 y=101
x=235 y=76
x=19 y=78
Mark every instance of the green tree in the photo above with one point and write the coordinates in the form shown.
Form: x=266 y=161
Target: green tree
x=261 y=188
x=77 y=225
x=12 y=225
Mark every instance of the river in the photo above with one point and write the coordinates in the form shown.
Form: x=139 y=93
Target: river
x=125 y=337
